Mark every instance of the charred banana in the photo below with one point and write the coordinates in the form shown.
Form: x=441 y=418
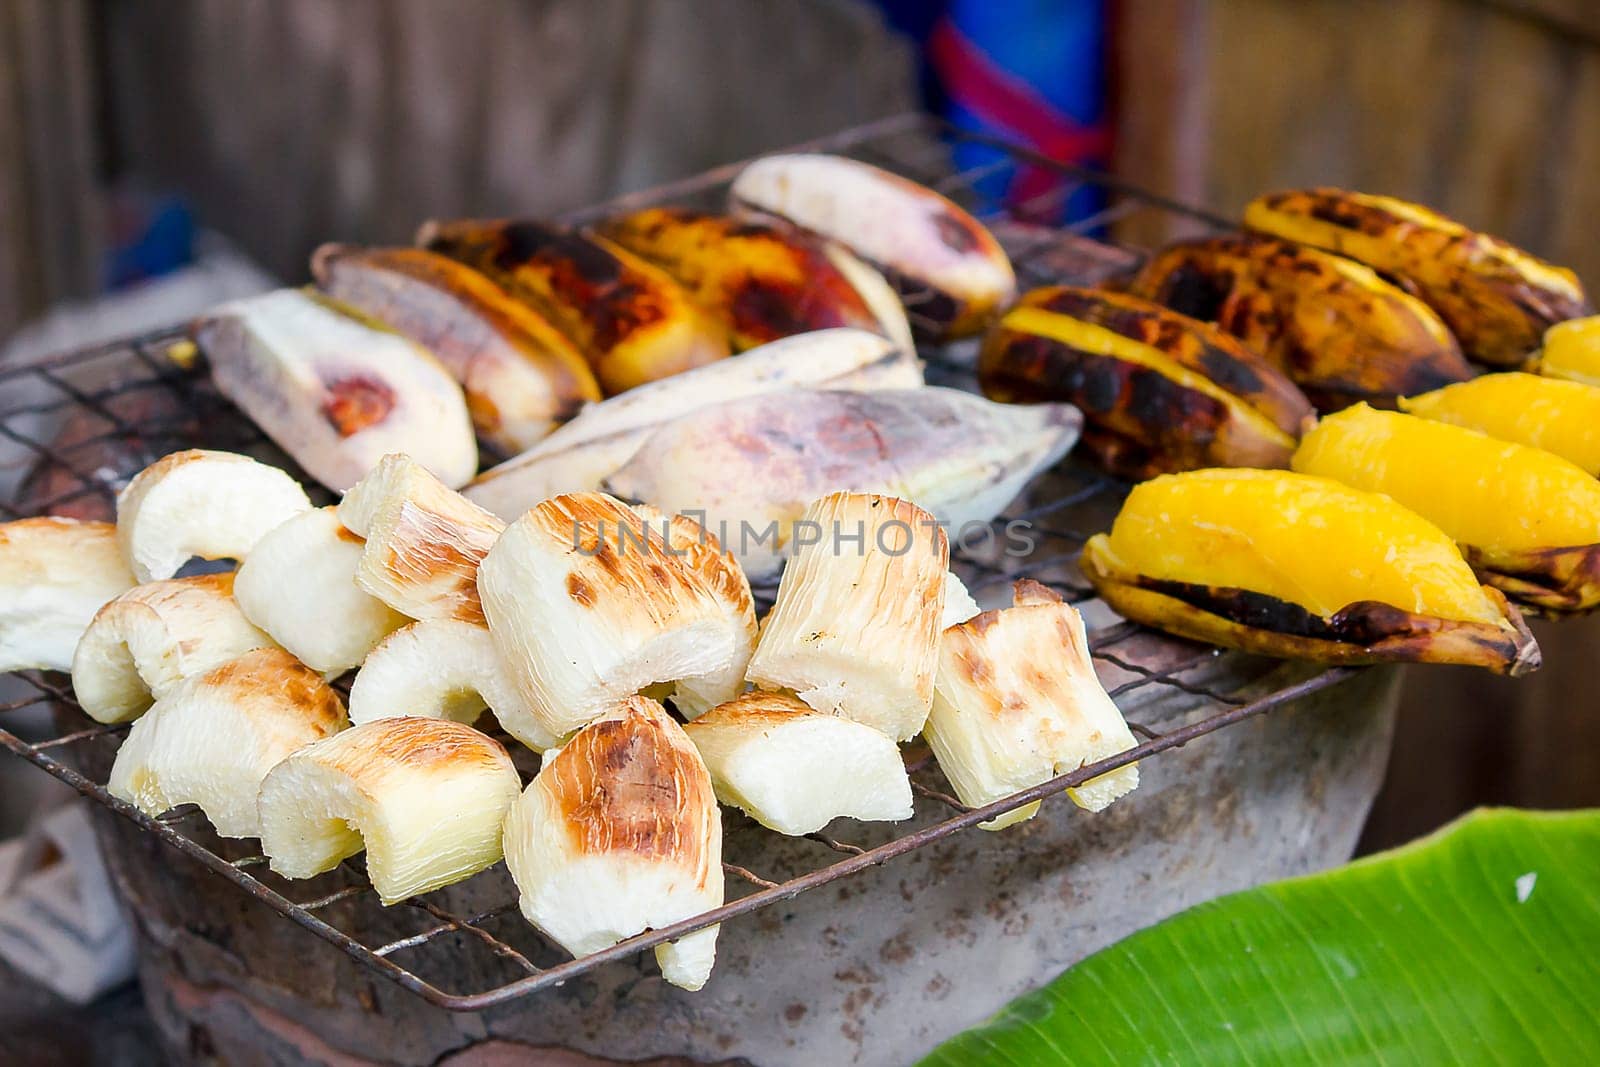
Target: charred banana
x=1290 y=565
x=1496 y=298
x=1160 y=392
x=631 y=321
x=1528 y=521
x=1572 y=351
x=1341 y=332
x=1557 y=416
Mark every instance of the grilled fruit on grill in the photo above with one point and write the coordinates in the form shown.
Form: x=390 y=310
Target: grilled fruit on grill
x=1290 y=565
x=855 y=627
x=54 y=575
x=335 y=392
x=620 y=833
x=1496 y=298
x=794 y=770
x=1016 y=702
x=212 y=739
x=143 y=643
x=299 y=585
x=443 y=669
x=630 y=320
x=760 y=280
x=1572 y=351
x=1337 y=329
x=423 y=797
x=578 y=456
x=1557 y=416
x=215 y=505
x=1160 y=391
x=423 y=541
x=590 y=602
x=522 y=377
x=751 y=467
x=951 y=272
x=1528 y=521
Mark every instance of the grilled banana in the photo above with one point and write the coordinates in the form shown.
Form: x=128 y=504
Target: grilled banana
x=951 y=272
x=1528 y=521
x=761 y=280
x=1496 y=298
x=578 y=456
x=521 y=375
x=1164 y=392
x=1290 y=565
x=1341 y=332
x=1557 y=416
x=1572 y=351
x=630 y=320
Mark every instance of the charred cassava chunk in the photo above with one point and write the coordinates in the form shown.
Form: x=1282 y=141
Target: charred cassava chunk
x=630 y=320
x=1160 y=392
x=1302 y=567
x=1527 y=520
x=1341 y=332
x=1496 y=298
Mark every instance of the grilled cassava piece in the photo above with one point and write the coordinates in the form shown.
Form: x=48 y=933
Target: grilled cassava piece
x=630 y=320
x=1558 y=416
x=1572 y=351
x=443 y=669
x=299 y=585
x=761 y=280
x=1161 y=392
x=1340 y=331
x=423 y=797
x=522 y=377
x=1528 y=521
x=423 y=541
x=215 y=505
x=578 y=456
x=212 y=739
x=1302 y=567
x=620 y=833
x=590 y=602
x=1496 y=298
x=54 y=575
x=751 y=467
x=794 y=770
x=143 y=643
x=336 y=392
x=952 y=273
x=1016 y=702
x=855 y=627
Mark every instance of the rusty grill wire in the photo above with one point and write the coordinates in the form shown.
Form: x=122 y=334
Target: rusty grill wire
x=98 y=387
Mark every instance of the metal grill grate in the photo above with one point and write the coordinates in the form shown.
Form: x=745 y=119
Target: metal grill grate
x=87 y=420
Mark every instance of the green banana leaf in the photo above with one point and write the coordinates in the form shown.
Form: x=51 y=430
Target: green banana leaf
x=1479 y=944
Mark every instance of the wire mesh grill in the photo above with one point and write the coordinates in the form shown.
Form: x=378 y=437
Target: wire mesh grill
x=86 y=421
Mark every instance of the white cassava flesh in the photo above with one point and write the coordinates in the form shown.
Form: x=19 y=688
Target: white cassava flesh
x=958 y=603
x=143 y=643
x=751 y=467
x=334 y=391
x=215 y=505
x=213 y=738
x=1016 y=702
x=794 y=770
x=299 y=585
x=590 y=602
x=952 y=270
x=423 y=541
x=855 y=627
x=54 y=575
x=604 y=436
x=424 y=797
x=620 y=833
x=443 y=669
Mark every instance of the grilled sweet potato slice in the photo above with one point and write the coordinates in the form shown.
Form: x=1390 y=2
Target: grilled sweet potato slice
x=1291 y=565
